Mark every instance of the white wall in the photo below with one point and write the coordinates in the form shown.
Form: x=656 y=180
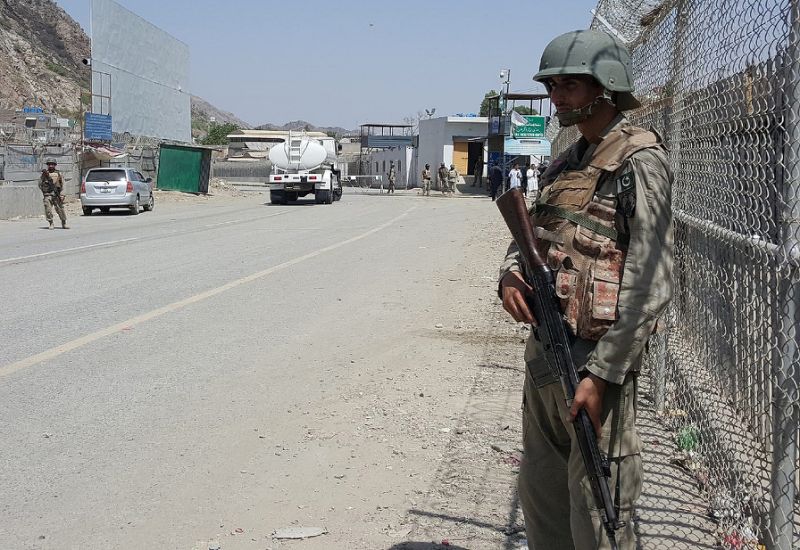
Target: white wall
x=149 y=74
x=406 y=177
x=436 y=138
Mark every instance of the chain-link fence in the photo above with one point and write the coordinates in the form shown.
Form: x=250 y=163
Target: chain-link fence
x=720 y=81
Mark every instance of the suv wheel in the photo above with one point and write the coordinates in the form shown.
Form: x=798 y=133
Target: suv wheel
x=135 y=206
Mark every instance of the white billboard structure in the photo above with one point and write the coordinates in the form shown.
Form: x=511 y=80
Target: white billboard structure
x=149 y=74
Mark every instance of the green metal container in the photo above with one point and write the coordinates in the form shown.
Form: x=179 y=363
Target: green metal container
x=184 y=168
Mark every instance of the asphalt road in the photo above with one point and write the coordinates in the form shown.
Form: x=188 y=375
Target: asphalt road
x=158 y=373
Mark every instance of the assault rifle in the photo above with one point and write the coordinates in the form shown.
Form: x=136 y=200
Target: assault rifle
x=55 y=191
x=555 y=339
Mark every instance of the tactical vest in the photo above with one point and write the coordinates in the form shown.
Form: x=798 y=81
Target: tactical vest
x=576 y=228
x=49 y=185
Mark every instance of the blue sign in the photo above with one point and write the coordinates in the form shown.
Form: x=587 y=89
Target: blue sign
x=524 y=146
x=97 y=127
x=32 y=110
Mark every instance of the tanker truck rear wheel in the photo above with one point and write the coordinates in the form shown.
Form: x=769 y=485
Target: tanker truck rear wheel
x=322 y=196
x=277 y=197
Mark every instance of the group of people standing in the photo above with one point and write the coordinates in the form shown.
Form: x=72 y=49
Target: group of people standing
x=526 y=179
x=447 y=179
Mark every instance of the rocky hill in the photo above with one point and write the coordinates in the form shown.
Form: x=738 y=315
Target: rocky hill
x=305 y=125
x=41 y=53
x=41 y=48
x=203 y=112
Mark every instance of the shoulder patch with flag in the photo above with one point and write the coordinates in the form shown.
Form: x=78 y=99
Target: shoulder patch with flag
x=626 y=182
x=626 y=193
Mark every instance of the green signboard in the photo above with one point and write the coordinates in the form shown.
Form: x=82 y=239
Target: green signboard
x=534 y=128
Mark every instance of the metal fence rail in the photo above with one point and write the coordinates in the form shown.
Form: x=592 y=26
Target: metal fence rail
x=720 y=81
x=251 y=171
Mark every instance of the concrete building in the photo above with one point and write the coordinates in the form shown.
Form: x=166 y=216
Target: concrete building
x=454 y=140
x=378 y=162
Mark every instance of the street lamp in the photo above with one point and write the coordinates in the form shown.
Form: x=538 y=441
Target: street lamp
x=505 y=78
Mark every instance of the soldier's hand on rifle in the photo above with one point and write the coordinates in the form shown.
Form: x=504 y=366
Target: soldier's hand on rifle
x=589 y=396
x=514 y=291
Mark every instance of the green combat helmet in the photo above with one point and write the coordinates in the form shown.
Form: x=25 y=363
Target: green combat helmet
x=593 y=53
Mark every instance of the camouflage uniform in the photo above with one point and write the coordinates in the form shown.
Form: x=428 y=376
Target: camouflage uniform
x=555 y=495
x=52 y=187
x=392 y=178
x=442 y=174
x=426 y=181
x=604 y=222
x=452 y=179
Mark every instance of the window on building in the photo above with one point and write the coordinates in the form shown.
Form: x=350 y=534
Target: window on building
x=384 y=165
x=399 y=165
x=376 y=167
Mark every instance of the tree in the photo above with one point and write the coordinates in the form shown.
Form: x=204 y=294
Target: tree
x=525 y=110
x=218 y=133
x=413 y=121
x=486 y=104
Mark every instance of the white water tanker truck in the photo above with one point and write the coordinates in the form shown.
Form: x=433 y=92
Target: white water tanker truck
x=304 y=165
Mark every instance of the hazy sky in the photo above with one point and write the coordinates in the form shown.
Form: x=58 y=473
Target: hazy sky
x=343 y=63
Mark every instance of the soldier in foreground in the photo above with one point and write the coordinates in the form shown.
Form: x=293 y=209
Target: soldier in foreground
x=52 y=186
x=603 y=220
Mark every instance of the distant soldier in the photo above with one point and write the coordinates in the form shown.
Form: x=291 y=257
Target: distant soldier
x=478 y=173
x=452 y=179
x=426 y=180
x=52 y=185
x=392 y=177
x=443 y=178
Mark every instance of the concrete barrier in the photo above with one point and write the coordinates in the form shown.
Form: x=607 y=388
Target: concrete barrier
x=20 y=201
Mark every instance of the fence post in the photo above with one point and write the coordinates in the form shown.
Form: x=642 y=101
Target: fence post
x=785 y=397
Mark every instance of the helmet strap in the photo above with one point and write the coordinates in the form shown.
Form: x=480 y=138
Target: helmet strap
x=576 y=116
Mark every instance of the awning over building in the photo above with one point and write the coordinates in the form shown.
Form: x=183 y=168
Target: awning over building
x=103 y=152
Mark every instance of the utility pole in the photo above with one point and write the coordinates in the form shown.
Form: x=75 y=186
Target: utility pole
x=505 y=78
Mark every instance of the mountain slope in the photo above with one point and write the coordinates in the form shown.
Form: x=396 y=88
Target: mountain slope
x=41 y=48
x=305 y=125
x=41 y=53
x=203 y=111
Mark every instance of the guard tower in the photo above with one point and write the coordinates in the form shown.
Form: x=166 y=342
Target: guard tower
x=383 y=136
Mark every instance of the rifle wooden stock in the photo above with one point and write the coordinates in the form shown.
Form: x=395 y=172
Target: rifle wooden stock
x=515 y=212
x=555 y=339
